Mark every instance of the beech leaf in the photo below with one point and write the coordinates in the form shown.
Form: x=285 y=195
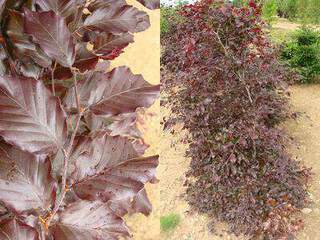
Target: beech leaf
x=109 y=46
x=30 y=117
x=117 y=19
x=2 y=6
x=63 y=8
x=13 y=229
x=85 y=60
x=151 y=4
x=92 y=156
x=112 y=169
x=119 y=182
x=84 y=220
x=119 y=91
x=25 y=180
x=94 y=5
x=121 y=125
x=125 y=125
x=51 y=33
x=22 y=43
x=138 y=204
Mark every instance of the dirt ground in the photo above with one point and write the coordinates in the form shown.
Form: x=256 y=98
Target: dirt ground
x=305 y=130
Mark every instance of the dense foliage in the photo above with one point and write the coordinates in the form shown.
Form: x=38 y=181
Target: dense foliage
x=306 y=11
x=269 y=11
x=71 y=162
x=170 y=14
x=224 y=83
x=302 y=52
x=287 y=8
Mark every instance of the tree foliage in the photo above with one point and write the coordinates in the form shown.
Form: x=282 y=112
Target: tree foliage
x=224 y=83
x=71 y=155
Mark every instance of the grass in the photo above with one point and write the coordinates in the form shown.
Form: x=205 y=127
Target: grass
x=169 y=222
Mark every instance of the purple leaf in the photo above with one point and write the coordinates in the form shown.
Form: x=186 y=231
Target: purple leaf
x=125 y=125
x=94 y=5
x=118 y=182
x=51 y=33
x=117 y=19
x=30 y=117
x=13 y=229
x=63 y=8
x=85 y=60
x=139 y=204
x=92 y=156
x=121 y=125
x=102 y=66
x=111 y=169
x=2 y=6
x=109 y=46
x=84 y=220
x=151 y=4
x=21 y=41
x=119 y=91
x=3 y=57
x=25 y=180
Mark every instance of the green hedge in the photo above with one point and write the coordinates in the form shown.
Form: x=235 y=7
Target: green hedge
x=302 y=53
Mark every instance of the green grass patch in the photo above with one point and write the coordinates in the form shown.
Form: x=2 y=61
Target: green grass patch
x=169 y=222
x=279 y=36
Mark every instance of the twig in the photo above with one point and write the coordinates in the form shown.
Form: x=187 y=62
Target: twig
x=5 y=234
x=221 y=43
x=43 y=232
x=67 y=153
x=241 y=78
x=52 y=79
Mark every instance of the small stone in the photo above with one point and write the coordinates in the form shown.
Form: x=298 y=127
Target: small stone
x=306 y=210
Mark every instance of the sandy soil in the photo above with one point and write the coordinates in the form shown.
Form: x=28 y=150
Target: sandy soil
x=305 y=130
x=286 y=25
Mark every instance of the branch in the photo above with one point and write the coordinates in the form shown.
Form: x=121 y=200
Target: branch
x=52 y=78
x=238 y=75
x=43 y=232
x=67 y=153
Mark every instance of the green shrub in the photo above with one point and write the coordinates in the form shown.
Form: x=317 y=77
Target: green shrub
x=303 y=53
x=287 y=8
x=169 y=15
x=269 y=11
x=309 y=11
x=239 y=3
x=164 y=22
x=306 y=11
x=169 y=222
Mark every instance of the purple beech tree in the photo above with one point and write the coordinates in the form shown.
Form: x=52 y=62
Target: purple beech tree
x=225 y=84
x=71 y=155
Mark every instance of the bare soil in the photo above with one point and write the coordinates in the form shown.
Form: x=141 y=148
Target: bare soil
x=306 y=131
